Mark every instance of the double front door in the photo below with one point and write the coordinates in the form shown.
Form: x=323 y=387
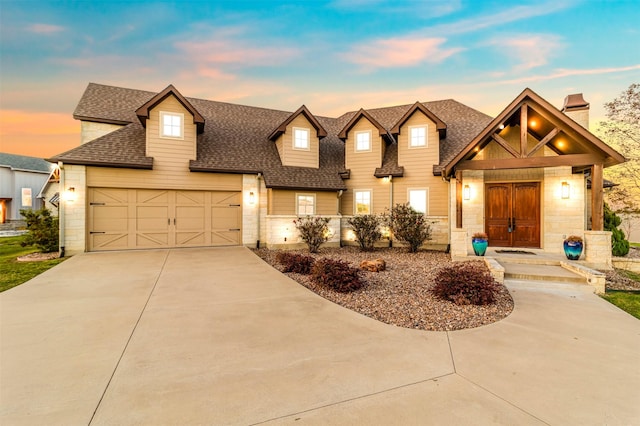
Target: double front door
x=512 y=214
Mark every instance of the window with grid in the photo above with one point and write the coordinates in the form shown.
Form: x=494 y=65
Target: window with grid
x=171 y=125
x=300 y=138
x=417 y=136
x=418 y=200
x=362 y=202
x=363 y=141
x=306 y=204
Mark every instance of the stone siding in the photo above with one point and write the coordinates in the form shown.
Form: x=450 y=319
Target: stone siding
x=74 y=209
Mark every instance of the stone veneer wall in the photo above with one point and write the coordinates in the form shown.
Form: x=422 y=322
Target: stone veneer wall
x=281 y=232
x=91 y=130
x=250 y=233
x=74 y=211
x=597 y=249
x=561 y=217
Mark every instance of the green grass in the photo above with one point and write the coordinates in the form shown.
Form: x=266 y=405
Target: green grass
x=12 y=272
x=628 y=301
x=634 y=244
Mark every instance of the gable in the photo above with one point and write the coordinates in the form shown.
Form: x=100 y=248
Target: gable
x=544 y=137
x=143 y=111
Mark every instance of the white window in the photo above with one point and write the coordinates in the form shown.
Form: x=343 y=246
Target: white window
x=418 y=200
x=417 y=136
x=362 y=202
x=300 y=138
x=305 y=204
x=171 y=125
x=363 y=141
x=26 y=197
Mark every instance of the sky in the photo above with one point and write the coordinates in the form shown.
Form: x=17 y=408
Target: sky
x=333 y=56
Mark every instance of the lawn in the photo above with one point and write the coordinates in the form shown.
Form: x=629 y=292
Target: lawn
x=628 y=301
x=12 y=272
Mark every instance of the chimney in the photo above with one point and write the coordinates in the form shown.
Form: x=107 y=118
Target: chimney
x=576 y=108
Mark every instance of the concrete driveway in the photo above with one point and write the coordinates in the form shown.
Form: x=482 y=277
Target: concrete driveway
x=216 y=336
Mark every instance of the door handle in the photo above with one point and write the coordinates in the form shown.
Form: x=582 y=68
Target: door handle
x=509 y=229
x=513 y=224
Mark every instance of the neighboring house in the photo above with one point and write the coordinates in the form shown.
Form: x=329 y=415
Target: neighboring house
x=21 y=179
x=162 y=170
x=50 y=192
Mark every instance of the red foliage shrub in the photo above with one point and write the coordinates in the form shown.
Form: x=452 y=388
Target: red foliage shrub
x=293 y=262
x=466 y=283
x=336 y=274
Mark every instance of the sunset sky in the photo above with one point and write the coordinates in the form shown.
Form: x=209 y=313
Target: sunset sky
x=333 y=56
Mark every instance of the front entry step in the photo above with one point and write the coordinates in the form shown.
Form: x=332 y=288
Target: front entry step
x=537 y=272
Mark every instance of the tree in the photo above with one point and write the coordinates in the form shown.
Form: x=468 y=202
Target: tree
x=43 y=230
x=619 y=244
x=622 y=132
x=314 y=230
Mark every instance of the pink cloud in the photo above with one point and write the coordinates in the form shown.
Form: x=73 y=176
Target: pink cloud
x=400 y=52
x=230 y=51
x=45 y=28
x=529 y=50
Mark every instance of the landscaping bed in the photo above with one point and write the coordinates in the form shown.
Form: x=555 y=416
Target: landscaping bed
x=401 y=294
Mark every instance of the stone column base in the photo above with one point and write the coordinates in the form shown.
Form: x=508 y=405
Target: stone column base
x=459 y=242
x=597 y=249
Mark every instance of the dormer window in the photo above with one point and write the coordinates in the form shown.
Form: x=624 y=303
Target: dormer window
x=171 y=125
x=363 y=141
x=300 y=138
x=417 y=136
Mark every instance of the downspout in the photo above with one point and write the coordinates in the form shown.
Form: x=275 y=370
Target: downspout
x=61 y=210
x=258 y=178
x=448 y=182
x=390 y=205
x=339 y=208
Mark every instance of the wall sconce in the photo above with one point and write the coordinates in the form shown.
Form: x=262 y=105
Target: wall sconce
x=466 y=193
x=565 y=190
x=252 y=198
x=387 y=179
x=70 y=194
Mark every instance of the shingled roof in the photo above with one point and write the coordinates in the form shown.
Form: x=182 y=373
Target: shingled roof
x=24 y=163
x=236 y=138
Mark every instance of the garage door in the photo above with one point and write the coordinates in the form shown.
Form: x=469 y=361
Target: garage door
x=153 y=218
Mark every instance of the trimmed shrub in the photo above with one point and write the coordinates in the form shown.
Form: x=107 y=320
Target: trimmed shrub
x=43 y=230
x=314 y=231
x=336 y=274
x=619 y=243
x=294 y=262
x=367 y=230
x=409 y=226
x=466 y=283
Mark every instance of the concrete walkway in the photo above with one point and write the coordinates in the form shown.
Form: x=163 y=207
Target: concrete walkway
x=216 y=336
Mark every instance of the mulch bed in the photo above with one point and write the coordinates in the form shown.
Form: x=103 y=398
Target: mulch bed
x=401 y=295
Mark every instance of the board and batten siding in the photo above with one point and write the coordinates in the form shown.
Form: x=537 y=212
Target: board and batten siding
x=363 y=166
x=283 y=202
x=418 y=167
x=299 y=157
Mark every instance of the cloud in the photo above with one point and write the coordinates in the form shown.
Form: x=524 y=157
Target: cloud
x=416 y=8
x=45 y=28
x=564 y=73
x=399 y=52
x=529 y=50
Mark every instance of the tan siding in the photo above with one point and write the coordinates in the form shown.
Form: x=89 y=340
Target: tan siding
x=363 y=166
x=90 y=130
x=298 y=157
x=418 y=167
x=283 y=202
x=158 y=178
x=280 y=147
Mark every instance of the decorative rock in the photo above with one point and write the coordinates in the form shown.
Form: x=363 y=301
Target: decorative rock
x=376 y=265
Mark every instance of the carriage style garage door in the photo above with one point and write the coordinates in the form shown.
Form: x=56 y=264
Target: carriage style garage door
x=153 y=218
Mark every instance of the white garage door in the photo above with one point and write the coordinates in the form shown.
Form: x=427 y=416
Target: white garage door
x=153 y=218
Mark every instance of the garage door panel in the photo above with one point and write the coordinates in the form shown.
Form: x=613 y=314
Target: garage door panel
x=150 y=218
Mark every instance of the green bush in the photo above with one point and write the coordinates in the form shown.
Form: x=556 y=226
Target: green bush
x=409 y=226
x=466 y=283
x=619 y=244
x=314 y=231
x=43 y=230
x=366 y=229
x=337 y=275
x=293 y=262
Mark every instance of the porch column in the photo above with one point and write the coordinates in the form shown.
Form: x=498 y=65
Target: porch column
x=597 y=208
x=458 y=201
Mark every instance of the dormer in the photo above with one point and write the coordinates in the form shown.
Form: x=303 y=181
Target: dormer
x=298 y=139
x=364 y=139
x=171 y=124
x=418 y=133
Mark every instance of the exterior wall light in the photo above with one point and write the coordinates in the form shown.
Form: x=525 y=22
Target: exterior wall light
x=565 y=190
x=252 y=198
x=466 y=193
x=70 y=194
x=387 y=179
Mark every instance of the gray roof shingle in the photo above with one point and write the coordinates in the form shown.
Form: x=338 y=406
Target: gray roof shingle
x=22 y=162
x=236 y=138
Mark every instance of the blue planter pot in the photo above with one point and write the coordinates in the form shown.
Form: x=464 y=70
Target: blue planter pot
x=479 y=246
x=573 y=249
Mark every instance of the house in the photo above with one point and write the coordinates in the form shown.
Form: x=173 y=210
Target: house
x=163 y=170
x=21 y=179
x=50 y=192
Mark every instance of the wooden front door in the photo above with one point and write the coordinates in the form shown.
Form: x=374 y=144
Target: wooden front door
x=512 y=214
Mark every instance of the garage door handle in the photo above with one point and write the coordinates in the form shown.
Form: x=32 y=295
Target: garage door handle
x=97 y=204
x=234 y=229
x=97 y=232
x=234 y=205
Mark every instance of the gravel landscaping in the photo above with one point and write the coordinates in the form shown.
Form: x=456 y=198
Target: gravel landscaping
x=401 y=295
